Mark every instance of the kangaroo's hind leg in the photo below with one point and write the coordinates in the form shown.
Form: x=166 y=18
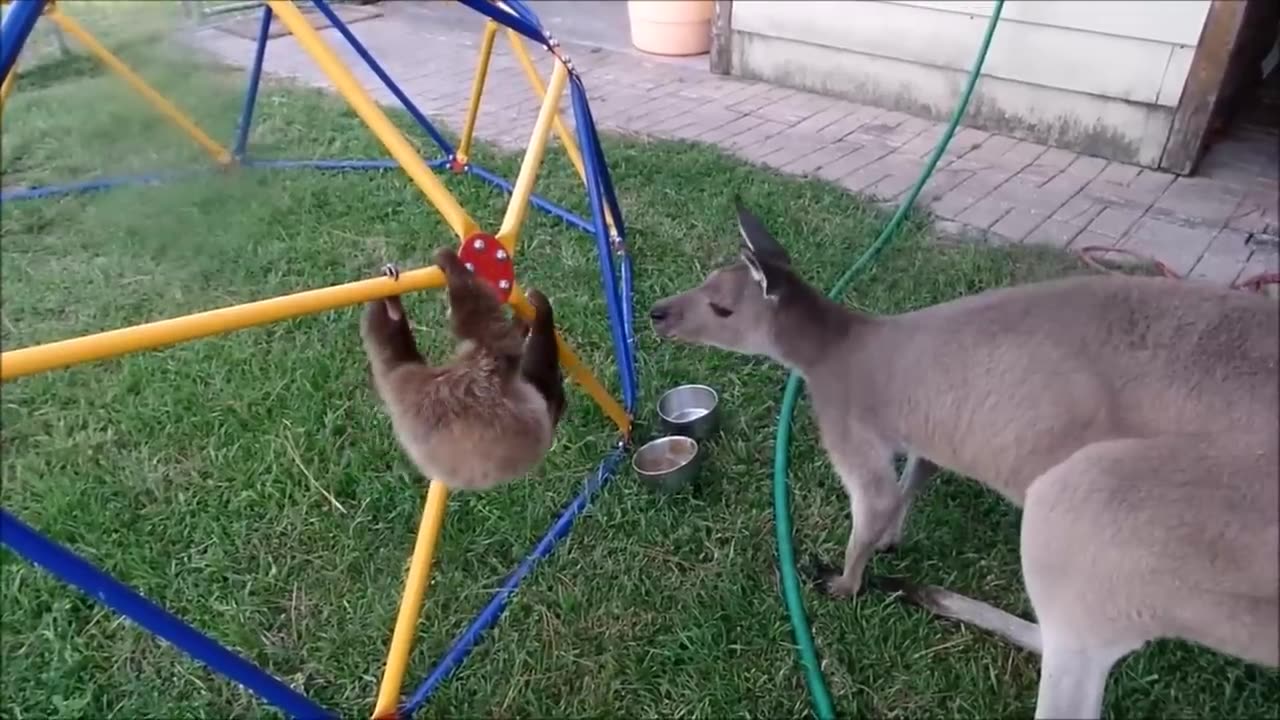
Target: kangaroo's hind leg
x=915 y=475
x=1132 y=540
x=540 y=364
x=1093 y=550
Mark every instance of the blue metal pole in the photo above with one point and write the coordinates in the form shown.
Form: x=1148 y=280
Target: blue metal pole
x=465 y=642
x=157 y=178
x=92 y=185
x=390 y=84
x=628 y=318
x=536 y=200
x=606 y=178
x=525 y=13
x=15 y=30
x=251 y=93
x=72 y=569
x=505 y=18
x=613 y=300
x=337 y=164
x=603 y=176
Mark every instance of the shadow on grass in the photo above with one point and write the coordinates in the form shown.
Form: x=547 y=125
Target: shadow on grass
x=60 y=70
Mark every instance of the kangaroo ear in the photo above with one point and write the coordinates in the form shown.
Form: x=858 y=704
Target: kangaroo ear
x=757 y=239
x=765 y=258
x=771 y=276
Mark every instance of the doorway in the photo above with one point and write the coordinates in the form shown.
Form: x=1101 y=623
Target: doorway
x=1242 y=142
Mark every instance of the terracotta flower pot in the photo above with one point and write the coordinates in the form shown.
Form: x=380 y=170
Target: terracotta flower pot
x=671 y=27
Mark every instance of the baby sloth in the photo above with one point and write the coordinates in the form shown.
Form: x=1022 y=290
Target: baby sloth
x=486 y=417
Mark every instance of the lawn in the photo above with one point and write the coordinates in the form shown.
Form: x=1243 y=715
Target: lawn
x=250 y=484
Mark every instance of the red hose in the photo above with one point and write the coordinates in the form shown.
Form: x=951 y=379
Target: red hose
x=1254 y=283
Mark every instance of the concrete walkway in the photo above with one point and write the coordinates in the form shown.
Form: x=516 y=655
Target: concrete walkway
x=987 y=186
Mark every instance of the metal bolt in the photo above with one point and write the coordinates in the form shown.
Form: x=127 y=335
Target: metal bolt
x=478 y=244
x=470 y=267
x=502 y=254
x=504 y=284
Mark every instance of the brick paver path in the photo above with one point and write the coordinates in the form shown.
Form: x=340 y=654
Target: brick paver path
x=989 y=187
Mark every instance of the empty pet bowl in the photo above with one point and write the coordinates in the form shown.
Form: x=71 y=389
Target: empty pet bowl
x=668 y=463
x=690 y=410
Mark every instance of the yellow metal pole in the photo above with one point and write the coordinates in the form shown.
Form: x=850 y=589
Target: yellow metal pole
x=7 y=87
x=566 y=138
x=575 y=368
x=75 y=351
x=166 y=108
x=535 y=82
x=113 y=343
x=415 y=587
x=518 y=205
x=477 y=89
x=381 y=126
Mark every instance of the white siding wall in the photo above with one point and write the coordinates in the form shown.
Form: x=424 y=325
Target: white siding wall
x=1101 y=77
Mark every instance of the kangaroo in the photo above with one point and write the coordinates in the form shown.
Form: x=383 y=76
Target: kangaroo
x=1133 y=419
x=489 y=415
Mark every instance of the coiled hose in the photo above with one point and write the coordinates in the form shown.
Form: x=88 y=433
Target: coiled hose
x=819 y=696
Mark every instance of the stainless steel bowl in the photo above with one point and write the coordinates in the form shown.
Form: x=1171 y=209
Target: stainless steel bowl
x=669 y=463
x=690 y=410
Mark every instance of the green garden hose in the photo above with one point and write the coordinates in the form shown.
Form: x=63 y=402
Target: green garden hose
x=818 y=693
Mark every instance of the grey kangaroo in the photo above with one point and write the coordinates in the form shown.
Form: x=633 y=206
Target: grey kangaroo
x=1134 y=420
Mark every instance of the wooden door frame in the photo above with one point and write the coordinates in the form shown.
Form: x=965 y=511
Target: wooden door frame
x=1203 y=90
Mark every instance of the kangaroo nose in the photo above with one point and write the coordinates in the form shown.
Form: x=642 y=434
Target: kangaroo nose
x=658 y=313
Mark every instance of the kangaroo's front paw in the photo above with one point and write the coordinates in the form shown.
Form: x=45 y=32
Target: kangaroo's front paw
x=840 y=586
x=830 y=581
x=816 y=571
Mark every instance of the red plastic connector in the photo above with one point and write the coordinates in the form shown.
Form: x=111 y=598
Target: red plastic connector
x=489 y=260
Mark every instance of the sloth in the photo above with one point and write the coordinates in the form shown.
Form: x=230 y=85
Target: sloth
x=488 y=415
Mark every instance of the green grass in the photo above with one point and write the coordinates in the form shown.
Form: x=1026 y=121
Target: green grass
x=196 y=473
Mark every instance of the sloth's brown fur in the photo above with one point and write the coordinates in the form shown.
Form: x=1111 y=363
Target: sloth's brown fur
x=487 y=416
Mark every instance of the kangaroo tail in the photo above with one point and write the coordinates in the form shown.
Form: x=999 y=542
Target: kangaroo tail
x=945 y=603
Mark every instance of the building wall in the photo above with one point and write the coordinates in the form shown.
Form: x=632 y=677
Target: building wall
x=1097 y=77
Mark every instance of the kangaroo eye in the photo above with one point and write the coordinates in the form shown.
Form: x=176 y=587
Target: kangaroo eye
x=720 y=310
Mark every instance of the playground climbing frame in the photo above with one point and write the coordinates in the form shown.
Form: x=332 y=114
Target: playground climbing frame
x=605 y=225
